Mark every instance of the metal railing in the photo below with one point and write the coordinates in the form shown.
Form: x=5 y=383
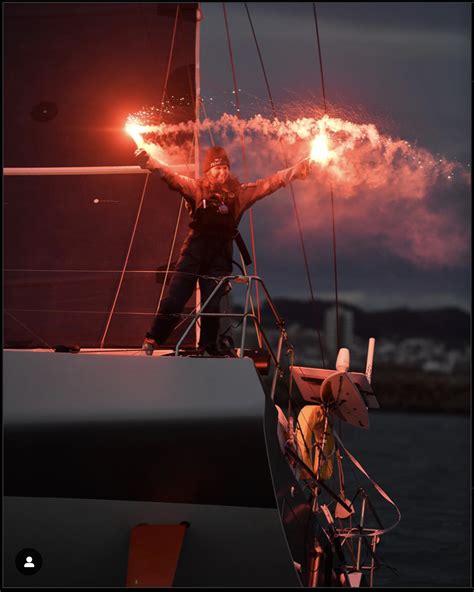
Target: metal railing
x=280 y=323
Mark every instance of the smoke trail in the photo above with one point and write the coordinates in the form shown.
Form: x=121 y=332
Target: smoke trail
x=385 y=188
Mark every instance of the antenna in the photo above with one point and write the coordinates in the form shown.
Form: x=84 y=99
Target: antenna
x=370 y=359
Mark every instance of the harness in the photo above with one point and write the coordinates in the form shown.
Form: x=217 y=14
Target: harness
x=216 y=217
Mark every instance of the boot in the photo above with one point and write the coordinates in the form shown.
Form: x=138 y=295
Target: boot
x=149 y=345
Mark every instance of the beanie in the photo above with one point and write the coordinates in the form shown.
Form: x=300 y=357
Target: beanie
x=215 y=156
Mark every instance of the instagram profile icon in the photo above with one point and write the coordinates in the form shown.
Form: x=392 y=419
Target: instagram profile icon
x=28 y=561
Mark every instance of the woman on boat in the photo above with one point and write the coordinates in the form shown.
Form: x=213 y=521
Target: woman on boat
x=216 y=202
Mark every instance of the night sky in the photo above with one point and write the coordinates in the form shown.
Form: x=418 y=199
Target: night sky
x=404 y=67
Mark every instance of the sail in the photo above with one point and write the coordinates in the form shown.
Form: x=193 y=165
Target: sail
x=73 y=74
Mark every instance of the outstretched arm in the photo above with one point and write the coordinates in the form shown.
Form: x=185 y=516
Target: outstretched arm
x=185 y=185
x=252 y=192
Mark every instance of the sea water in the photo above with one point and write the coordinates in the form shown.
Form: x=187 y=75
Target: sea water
x=423 y=462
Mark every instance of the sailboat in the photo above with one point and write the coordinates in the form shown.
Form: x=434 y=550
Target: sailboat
x=120 y=468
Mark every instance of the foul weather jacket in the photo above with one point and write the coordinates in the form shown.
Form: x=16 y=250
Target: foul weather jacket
x=238 y=197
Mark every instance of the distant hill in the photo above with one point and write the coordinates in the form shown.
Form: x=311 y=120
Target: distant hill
x=448 y=325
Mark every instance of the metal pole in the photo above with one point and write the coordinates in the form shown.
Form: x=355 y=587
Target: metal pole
x=244 y=323
x=323 y=442
x=194 y=321
x=362 y=517
x=314 y=569
x=370 y=360
x=270 y=301
x=197 y=148
x=372 y=564
x=267 y=343
x=277 y=367
x=87 y=170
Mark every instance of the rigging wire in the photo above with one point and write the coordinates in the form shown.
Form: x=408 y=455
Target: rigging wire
x=144 y=187
x=122 y=275
x=246 y=174
x=243 y=267
x=29 y=330
x=165 y=87
x=168 y=265
x=333 y=215
x=173 y=242
x=320 y=57
x=338 y=341
x=211 y=137
x=170 y=57
x=291 y=184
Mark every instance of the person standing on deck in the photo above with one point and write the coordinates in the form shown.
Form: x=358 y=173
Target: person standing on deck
x=217 y=202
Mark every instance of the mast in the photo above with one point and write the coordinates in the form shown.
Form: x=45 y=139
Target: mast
x=197 y=78
x=197 y=170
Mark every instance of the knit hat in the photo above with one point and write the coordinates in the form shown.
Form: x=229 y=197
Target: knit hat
x=215 y=156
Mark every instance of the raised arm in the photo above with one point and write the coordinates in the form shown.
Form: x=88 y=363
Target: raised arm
x=185 y=185
x=252 y=192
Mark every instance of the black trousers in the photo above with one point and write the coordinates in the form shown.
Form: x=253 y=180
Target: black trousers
x=200 y=255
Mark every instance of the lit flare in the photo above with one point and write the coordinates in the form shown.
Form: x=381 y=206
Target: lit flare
x=320 y=149
x=133 y=130
x=136 y=131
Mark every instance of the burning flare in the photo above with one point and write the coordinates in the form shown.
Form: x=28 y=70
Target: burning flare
x=133 y=130
x=136 y=131
x=395 y=185
x=320 y=149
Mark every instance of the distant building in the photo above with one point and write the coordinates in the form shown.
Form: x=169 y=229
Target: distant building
x=346 y=328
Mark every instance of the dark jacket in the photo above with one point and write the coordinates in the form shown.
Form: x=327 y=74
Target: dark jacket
x=239 y=197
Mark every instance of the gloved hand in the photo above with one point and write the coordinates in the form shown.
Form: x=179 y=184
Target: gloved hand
x=141 y=157
x=304 y=168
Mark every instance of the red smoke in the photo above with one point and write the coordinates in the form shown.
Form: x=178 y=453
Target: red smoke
x=388 y=193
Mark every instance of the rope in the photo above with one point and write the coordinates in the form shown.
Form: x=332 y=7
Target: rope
x=261 y=60
x=144 y=189
x=320 y=57
x=165 y=87
x=170 y=56
x=173 y=242
x=155 y=271
x=209 y=127
x=338 y=341
x=291 y=185
x=332 y=196
x=102 y=341
x=246 y=175
x=379 y=490
x=70 y=311
x=29 y=330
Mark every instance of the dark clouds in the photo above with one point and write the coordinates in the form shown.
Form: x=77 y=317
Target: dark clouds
x=404 y=67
